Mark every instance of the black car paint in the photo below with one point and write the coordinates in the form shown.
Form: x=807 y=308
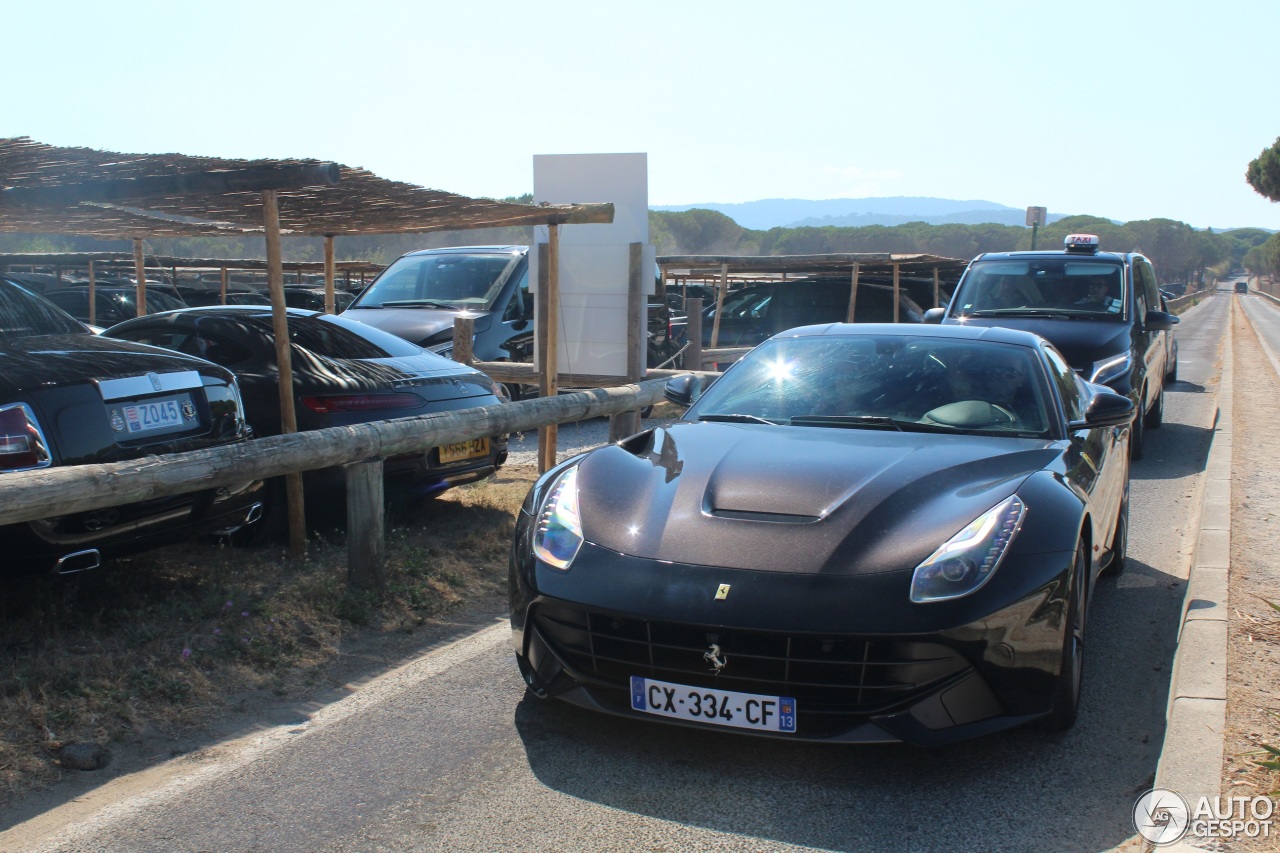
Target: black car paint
x=892 y=497
x=241 y=338
x=1086 y=342
x=58 y=376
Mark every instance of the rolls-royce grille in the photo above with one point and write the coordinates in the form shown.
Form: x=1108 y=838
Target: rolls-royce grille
x=825 y=674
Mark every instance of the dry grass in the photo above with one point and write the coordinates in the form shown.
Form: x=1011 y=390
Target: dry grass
x=160 y=641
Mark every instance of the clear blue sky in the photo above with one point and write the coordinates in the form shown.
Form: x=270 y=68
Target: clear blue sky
x=1130 y=110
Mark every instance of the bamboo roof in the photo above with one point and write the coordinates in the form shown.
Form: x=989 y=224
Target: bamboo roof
x=869 y=263
x=358 y=203
x=82 y=259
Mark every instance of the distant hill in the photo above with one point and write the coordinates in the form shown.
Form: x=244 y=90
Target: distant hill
x=855 y=212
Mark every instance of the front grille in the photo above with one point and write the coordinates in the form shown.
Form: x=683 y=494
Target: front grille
x=835 y=675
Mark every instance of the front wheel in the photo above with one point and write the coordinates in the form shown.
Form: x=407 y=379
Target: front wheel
x=1120 y=539
x=1066 y=689
x=1137 y=436
x=1155 y=417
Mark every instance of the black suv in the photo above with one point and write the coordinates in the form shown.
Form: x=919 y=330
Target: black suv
x=1102 y=310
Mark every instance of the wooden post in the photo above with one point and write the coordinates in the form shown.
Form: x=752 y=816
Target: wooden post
x=549 y=309
x=173 y=272
x=628 y=423
x=222 y=291
x=936 y=302
x=853 y=292
x=93 y=300
x=693 y=355
x=330 y=273
x=721 y=287
x=140 y=270
x=284 y=363
x=895 y=293
x=464 y=330
x=366 y=522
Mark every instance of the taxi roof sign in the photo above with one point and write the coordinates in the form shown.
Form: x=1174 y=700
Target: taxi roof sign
x=1087 y=243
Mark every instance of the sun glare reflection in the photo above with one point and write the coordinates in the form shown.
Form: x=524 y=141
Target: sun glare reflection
x=780 y=370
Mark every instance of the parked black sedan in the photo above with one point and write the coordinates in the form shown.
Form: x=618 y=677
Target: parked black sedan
x=68 y=397
x=344 y=373
x=859 y=533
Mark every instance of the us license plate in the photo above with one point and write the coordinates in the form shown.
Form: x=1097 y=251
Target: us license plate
x=469 y=449
x=154 y=415
x=717 y=707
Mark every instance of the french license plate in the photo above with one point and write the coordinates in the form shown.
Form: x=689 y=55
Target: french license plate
x=154 y=415
x=718 y=707
x=469 y=449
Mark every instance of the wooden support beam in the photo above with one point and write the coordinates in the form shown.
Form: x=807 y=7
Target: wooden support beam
x=936 y=302
x=721 y=287
x=896 y=291
x=330 y=272
x=853 y=293
x=464 y=332
x=93 y=299
x=140 y=270
x=548 y=305
x=366 y=527
x=628 y=423
x=284 y=364
x=222 y=290
x=693 y=355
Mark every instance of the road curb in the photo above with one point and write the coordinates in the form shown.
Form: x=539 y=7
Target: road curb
x=1191 y=758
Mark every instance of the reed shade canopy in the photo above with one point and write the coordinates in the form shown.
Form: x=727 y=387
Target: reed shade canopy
x=83 y=191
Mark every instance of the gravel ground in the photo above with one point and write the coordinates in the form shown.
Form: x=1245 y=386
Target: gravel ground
x=573 y=438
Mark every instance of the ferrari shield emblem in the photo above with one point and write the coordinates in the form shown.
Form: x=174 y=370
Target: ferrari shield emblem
x=723 y=592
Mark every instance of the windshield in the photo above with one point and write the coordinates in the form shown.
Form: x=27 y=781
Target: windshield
x=446 y=280
x=1061 y=285
x=23 y=313
x=884 y=382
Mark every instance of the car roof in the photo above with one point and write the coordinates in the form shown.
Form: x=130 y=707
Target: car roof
x=1108 y=257
x=995 y=334
x=447 y=250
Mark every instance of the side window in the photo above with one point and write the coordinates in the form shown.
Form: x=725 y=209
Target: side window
x=1139 y=290
x=521 y=305
x=1149 y=287
x=1070 y=386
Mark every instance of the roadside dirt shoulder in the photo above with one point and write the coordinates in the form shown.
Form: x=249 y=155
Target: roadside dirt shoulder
x=1253 y=653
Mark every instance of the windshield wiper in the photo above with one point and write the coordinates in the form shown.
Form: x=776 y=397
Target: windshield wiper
x=873 y=421
x=734 y=417
x=414 y=303
x=1018 y=312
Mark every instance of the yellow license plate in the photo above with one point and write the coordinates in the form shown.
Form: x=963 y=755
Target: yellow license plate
x=469 y=449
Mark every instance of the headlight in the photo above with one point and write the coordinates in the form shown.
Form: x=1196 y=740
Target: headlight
x=557 y=534
x=967 y=560
x=1110 y=369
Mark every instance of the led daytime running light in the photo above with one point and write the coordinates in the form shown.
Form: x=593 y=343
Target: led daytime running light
x=967 y=560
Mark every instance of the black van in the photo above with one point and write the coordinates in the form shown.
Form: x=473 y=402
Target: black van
x=1102 y=310
x=1242 y=287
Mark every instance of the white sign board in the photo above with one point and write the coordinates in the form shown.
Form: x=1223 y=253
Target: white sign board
x=595 y=260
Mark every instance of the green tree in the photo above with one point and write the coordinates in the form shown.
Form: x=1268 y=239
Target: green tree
x=1263 y=173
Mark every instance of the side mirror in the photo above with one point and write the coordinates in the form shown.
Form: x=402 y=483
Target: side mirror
x=1160 y=321
x=683 y=390
x=935 y=315
x=1107 y=409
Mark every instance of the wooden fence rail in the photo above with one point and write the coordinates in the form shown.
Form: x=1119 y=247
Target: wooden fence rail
x=29 y=495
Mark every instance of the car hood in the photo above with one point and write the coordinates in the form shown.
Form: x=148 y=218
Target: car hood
x=47 y=361
x=1081 y=342
x=795 y=499
x=413 y=324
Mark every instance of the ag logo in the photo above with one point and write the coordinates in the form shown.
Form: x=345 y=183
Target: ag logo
x=1161 y=816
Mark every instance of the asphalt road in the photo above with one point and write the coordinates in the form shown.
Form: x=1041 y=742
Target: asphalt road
x=1265 y=317
x=447 y=753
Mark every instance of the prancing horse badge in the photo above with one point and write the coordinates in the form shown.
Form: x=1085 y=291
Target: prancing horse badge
x=723 y=592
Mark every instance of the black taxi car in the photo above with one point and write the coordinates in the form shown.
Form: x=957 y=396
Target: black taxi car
x=70 y=397
x=1102 y=310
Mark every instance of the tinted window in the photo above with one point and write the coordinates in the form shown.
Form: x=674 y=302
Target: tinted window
x=333 y=337
x=456 y=280
x=22 y=313
x=1050 y=285
x=1070 y=386
x=201 y=344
